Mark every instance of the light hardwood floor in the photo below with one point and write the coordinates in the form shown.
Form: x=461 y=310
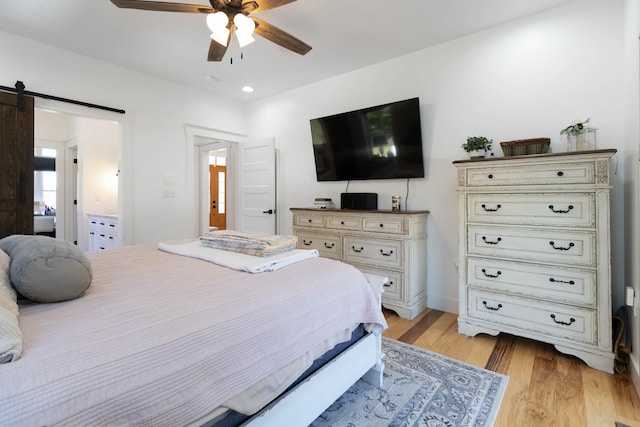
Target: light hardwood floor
x=546 y=388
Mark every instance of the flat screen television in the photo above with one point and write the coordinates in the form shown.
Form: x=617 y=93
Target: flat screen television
x=381 y=142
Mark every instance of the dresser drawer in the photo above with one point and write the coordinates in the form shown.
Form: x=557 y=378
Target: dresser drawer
x=343 y=222
x=308 y=220
x=328 y=245
x=383 y=225
x=569 y=285
x=374 y=252
x=546 y=318
x=551 y=209
x=533 y=174
x=393 y=288
x=533 y=244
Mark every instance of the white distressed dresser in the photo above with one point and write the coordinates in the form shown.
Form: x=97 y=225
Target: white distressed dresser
x=535 y=250
x=385 y=243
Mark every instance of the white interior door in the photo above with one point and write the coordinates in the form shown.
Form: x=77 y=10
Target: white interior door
x=257 y=187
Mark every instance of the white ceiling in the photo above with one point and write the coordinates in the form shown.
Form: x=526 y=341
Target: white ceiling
x=345 y=35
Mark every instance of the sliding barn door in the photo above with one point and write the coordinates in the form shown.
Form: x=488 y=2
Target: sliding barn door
x=16 y=165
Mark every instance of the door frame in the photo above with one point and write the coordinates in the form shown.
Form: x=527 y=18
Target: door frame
x=199 y=141
x=125 y=166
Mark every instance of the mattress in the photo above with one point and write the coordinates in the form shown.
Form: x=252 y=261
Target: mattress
x=161 y=339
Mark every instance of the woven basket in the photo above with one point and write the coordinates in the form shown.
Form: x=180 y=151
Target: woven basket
x=522 y=147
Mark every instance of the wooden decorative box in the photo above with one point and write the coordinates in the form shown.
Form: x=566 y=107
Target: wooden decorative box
x=523 y=147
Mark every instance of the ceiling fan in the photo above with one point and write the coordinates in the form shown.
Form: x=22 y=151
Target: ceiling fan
x=226 y=17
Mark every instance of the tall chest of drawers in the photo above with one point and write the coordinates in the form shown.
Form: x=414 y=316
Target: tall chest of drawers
x=535 y=251
x=384 y=243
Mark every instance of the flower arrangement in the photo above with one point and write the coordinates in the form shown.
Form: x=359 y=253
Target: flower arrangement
x=575 y=128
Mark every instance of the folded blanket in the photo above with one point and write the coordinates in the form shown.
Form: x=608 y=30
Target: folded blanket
x=248 y=243
x=238 y=261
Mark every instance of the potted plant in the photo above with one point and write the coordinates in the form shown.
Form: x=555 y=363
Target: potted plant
x=477 y=146
x=579 y=136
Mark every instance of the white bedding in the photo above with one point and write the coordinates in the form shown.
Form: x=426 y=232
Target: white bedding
x=236 y=260
x=160 y=339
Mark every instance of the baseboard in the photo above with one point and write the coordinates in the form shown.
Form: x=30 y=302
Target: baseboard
x=438 y=302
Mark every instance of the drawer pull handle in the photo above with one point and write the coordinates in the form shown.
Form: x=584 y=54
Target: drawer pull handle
x=388 y=285
x=492 y=276
x=560 y=173
x=381 y=225
x=329 y=246
x=490 y=176
x=492 y=308
x=310 y=221
x=569 y=282
x=492 y=242
x=491 y=209
x=341 y=222
x=560 y=322
x=561 y=248
x=307 y=242
x=387 y=254
x=357 y=250
x=560 y=210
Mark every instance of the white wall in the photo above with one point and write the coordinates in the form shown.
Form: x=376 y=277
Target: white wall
x=525 y=79
x=151 y=132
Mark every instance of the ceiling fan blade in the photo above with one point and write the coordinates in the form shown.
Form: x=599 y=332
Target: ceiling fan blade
x=161 y=6
x=280 y=37
x=217 y=51
x=270 y=4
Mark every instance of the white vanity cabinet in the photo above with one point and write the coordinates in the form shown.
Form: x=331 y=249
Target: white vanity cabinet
x=104 y=232
x=535 y=250
x=390 y=244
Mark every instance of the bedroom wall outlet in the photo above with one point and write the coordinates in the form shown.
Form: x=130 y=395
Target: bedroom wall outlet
x=629 y=296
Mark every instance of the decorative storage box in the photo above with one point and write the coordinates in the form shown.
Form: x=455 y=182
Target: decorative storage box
x=523 y=147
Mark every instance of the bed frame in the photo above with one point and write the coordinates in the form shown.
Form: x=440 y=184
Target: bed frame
x=305 y=402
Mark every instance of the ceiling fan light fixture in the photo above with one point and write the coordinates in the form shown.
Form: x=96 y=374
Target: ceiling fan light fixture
x=244 y=24
x=244 y=29
x=217 y=21
x=221 y=36
x=244 y=39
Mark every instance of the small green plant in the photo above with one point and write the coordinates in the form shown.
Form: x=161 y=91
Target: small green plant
x=477 y=143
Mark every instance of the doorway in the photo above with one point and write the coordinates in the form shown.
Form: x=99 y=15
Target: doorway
x=250 y=180
x=86 y=151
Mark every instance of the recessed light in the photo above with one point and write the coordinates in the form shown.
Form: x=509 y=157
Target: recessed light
x=247 y=89
x=212 y=77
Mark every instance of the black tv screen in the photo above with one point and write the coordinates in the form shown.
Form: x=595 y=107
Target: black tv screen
x=381 y=142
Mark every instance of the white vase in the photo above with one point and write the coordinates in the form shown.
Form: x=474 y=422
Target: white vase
x=477 y=154
x=582 y=141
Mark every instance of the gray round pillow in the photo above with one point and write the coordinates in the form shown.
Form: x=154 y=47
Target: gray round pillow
x=44 y=269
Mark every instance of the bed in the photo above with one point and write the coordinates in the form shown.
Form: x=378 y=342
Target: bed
x=165 y=339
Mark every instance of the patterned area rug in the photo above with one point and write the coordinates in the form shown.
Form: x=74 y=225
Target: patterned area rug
x=421 y=388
